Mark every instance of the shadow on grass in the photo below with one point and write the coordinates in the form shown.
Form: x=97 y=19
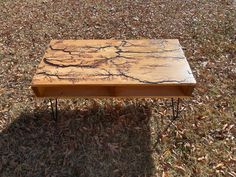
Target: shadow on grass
x=100 y=141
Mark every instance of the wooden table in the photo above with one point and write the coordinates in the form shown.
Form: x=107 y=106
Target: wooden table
x=114 y=68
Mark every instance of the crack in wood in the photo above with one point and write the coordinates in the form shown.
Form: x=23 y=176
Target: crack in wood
x=105 y=59
x=150 y=82
x=105 y=76
x=119 y=61
x=81 y=65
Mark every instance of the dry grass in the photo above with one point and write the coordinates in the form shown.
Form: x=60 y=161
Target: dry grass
x=118 y=137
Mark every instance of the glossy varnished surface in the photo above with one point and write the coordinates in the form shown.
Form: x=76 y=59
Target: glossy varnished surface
x=129 y=63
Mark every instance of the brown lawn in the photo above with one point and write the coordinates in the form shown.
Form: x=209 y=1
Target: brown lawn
x=119 y=137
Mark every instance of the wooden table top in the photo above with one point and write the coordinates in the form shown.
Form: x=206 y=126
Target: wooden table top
x=73 y=64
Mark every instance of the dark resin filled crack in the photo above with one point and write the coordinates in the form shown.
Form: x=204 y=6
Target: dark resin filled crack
x=122 y=58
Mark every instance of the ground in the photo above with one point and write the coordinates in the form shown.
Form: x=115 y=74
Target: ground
x=118 y=137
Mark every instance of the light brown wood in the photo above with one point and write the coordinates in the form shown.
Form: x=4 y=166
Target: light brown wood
x=114 y=68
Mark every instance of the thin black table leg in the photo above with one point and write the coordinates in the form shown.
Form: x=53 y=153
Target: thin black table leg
x=54 y=111
x=175 y=111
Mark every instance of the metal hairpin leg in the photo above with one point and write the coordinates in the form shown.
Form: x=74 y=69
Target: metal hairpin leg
x=175 y=110
x=54 y=112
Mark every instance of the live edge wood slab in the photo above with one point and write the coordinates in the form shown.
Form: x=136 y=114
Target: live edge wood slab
x=114 y=68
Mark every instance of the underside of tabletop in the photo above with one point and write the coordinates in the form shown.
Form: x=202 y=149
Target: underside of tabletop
x=113 y=91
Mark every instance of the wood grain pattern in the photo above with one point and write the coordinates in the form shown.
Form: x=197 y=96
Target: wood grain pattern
x=114 y=67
